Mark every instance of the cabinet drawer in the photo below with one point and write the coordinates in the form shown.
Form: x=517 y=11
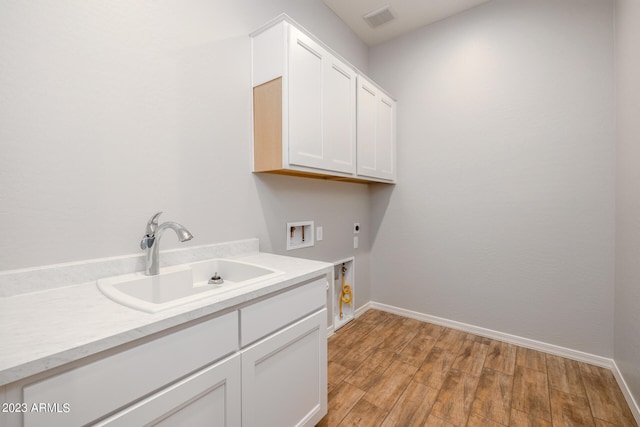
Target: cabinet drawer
x=210 y=397
x=260 y=319
x=102 y=386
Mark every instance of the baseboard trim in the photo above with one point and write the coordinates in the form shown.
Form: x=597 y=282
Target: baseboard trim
x=360 y=311
x=521 y=341
x=500 y=336
x=330 y=331
x=633 y=405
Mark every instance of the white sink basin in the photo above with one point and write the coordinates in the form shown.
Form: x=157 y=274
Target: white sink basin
x=181 y=284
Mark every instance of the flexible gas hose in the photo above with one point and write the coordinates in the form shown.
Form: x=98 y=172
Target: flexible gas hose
x=346 y=295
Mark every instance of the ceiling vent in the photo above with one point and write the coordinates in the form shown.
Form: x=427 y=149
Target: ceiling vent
x=378 y=17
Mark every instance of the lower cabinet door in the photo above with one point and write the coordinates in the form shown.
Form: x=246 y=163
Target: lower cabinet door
x=284 y=376
x=210 y=397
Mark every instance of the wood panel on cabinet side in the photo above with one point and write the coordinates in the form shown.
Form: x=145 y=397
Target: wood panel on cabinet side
x=267 y=126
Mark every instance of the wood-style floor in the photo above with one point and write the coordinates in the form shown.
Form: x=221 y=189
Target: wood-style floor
x=388 y=370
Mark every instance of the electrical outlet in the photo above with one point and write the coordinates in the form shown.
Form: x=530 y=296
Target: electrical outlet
x=319 y=233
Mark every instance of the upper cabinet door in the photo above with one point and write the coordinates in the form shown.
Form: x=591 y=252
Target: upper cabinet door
x=367 y=102
x=376 y=132
x=321 y=103
x=306 y=60
x=386 y=137
x=339 y=116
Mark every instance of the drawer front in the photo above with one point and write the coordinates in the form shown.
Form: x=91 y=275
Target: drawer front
x=86 y=393
x=210 y=397
x=260 y=319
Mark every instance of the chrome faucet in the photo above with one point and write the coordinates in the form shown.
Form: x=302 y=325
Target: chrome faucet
x=151 y=242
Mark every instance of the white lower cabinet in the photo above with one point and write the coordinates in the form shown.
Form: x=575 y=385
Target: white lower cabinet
x=284 y=376
x=263 y=364
x=210 y=397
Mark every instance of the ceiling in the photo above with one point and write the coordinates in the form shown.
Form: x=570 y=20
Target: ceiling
x=409 y=15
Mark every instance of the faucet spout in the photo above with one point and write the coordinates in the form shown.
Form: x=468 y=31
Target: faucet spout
x=151 y=241
x=182 y=233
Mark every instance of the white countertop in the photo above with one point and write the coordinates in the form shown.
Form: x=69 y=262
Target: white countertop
x=46 y=329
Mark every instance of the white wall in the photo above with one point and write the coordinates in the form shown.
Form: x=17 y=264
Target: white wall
x=627 y=295
x=504 y=213
x=111 y=111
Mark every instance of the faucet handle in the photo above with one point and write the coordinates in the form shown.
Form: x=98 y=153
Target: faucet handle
x=152 y=225
x=146 y=242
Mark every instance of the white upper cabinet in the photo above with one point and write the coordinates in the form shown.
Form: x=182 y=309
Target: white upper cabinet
x=305 y=107
x=376 y=132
